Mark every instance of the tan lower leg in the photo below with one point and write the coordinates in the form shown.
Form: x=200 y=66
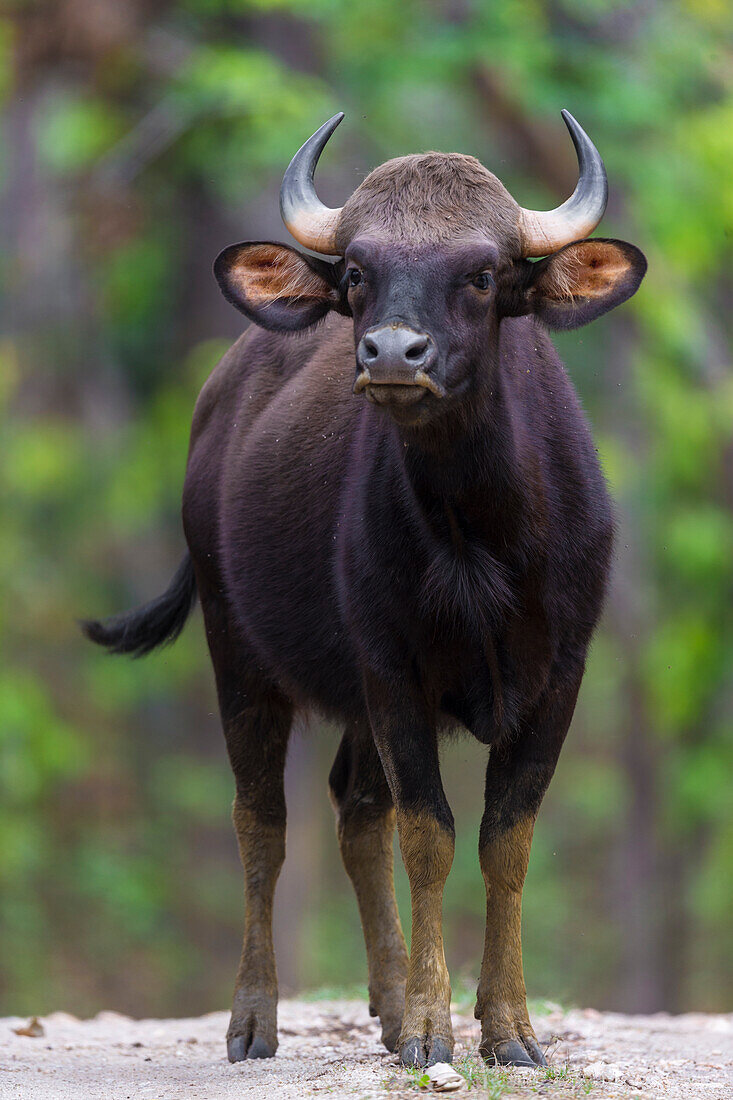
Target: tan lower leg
x=262 y=851
x=427 y=851
x=366 y=850
x=501 y=1002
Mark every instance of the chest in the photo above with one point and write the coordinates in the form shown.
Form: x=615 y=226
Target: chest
x=428 y=594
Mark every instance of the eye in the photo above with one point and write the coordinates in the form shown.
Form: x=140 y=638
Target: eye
x=482 y=281
x=354 y=276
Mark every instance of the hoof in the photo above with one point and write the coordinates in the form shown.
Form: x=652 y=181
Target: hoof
x=388 y=1003
x=534 y=1051
x=260 y=1049
x=510 y=1052
x=440 y=1051
x=239 y=1048
x=419 y=1051
x=413 y=1053
x=391 y=1036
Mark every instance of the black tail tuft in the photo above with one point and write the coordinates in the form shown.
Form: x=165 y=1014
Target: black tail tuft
x=156 y=623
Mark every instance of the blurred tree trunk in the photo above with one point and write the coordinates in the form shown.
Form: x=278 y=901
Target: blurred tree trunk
x=642 y=972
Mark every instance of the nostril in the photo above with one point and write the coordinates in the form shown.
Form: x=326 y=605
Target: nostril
x=370 y=348
x=416 y=348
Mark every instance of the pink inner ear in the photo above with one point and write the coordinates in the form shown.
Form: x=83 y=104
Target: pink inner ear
x=267 y=273
x=588 y=269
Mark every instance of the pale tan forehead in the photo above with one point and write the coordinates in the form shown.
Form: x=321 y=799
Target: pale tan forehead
x=431 y=197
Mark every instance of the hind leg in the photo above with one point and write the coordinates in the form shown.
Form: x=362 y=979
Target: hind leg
x=257 y=721
x=365 y=824
x=257 y=741
x=407 y=744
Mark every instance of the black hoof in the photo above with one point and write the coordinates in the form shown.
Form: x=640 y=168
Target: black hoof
x=412 y=1052
x=440 y=1052
x=260 y=1049
x=510 y=1052
x=425 y=1052
x=238 y=1049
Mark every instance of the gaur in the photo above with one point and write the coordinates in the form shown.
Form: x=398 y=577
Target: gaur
x=396 y=518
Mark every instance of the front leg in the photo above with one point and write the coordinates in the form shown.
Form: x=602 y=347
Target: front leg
x=407 y=745
x=516 y=780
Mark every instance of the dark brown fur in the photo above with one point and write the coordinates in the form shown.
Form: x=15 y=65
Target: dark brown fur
x=402 y=569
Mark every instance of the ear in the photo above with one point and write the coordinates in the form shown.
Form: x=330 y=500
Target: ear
x=277 y=287
x=582 y=281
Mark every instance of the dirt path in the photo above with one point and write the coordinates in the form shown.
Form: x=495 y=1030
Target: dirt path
x=333 y=1048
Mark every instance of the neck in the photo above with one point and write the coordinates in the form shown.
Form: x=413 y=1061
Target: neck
x=473 y=446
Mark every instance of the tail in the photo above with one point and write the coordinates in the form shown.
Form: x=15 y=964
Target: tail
x=156 y=623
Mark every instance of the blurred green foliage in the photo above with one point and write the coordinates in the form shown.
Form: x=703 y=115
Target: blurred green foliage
x=142 y=138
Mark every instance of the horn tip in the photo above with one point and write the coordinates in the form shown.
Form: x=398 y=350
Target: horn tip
x=569 y=120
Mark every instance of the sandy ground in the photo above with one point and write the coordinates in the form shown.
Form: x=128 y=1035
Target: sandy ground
x=333 y=1048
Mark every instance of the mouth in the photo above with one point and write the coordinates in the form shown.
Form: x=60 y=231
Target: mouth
x=399 y=390
x=394 y=394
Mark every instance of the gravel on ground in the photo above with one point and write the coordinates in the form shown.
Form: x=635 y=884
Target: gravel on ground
x=333 y=1048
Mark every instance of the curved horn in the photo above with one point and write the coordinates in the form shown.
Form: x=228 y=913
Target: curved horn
x=546 y=231
x=305 y=216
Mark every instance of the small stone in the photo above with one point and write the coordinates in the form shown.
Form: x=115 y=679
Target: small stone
x=444 y=1078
